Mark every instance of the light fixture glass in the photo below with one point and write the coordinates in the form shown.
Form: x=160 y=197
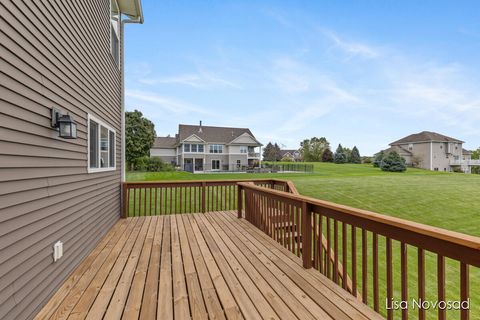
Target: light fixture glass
x=67 y=128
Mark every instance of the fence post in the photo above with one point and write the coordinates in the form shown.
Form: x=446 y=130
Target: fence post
x=239 y=201
x=124 y=196
x=306 y=235
x=204 y=188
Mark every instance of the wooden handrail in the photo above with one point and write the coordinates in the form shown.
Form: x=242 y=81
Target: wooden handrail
x=270 y=209
x=187 y=196
x=410 y=227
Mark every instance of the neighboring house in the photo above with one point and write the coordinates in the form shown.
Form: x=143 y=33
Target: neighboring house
x=434 y=151
x=293 y=155
x=65 y=56
x=199 y=148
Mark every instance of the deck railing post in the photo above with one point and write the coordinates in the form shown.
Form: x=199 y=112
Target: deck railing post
x=204 y=189
x=239 y=201
x=307 y=235
x=124 y=196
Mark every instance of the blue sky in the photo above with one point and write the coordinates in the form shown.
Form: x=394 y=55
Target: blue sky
x=359 y=73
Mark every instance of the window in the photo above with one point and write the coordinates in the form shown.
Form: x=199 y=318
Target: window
x=188 y=147
x=243 y=149
x=101 y=146
x=215 y=164
x=114 y=31
x=410 y=146
x=239 y=163
x=216 y=148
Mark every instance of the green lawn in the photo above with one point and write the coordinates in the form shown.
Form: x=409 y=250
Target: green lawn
x=446 y=200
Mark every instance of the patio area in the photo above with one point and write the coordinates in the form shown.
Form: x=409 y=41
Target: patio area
x=199 y=266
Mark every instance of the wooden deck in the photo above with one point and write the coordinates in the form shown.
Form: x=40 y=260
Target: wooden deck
x=197 y=266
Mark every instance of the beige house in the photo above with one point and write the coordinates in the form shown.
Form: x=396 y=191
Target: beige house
x=199 y=148
x=292 y=154
x=434 y=151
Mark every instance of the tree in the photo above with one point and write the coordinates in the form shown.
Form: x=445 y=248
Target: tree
x=355 y=156
x=393 y=162
x=312 y=149
x=139 y=136
x=378 y=159
x=476 y=156
x=339 y=156
x=416 y=161
x=277 y=154
x=348 y=154
x=271 y=152
x=327 y=155
x=267 y=152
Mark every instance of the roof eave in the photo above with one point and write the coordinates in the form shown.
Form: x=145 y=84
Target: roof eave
x=132 y=9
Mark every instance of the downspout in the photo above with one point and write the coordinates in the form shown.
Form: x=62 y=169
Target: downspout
x=431 y=155
x=139 y=20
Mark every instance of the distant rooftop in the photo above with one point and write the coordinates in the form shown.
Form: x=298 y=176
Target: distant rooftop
x=211 y=134
x=426 y=136
x=165 y=142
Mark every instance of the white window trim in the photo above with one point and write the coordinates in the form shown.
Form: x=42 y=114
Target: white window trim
x=194 y=152
x=216 y=144
x=101 y=124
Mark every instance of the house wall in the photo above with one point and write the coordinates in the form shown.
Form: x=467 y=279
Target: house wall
x=168 y=155
x=233 y=160
x=420 y=150
x=220 y=156
x=53 y=53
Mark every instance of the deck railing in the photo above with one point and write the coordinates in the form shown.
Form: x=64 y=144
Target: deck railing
x=356 y=240
x=171 y=197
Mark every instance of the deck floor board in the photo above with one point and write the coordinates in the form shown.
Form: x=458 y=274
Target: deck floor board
x=197 y=266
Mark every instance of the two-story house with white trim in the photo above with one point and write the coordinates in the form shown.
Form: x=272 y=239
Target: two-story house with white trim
x=199 y=148
x=434 y=151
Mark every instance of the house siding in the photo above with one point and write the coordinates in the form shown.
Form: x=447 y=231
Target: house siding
x=52 y=54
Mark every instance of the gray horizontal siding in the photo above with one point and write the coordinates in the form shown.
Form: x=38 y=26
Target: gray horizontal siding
x=54 y=53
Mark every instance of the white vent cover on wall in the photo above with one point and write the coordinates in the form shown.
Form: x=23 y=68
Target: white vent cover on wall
x=57 y=251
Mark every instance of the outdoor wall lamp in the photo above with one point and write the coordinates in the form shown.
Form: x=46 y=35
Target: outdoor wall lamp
x=67 y=128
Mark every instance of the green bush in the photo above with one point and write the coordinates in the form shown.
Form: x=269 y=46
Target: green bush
x=366 y=159
x=378 y=159
x=151 y=164
x=393 y=162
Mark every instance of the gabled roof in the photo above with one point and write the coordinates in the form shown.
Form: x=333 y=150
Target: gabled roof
x=164 y=142
x=211 y=134
x=425 y=136
x=285 y=151
x=465 y=151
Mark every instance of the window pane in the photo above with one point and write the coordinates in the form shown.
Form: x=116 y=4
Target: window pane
x=93 y=144
x=186 y=147
x=103 y=147
x=112 y=149
x=200 y=148
x=194 y=148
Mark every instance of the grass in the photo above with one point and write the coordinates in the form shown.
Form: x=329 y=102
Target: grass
x=446 y=200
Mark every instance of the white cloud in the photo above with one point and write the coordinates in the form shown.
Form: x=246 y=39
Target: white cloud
x=168 y=104
x=351 y=47
x=196 y=80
